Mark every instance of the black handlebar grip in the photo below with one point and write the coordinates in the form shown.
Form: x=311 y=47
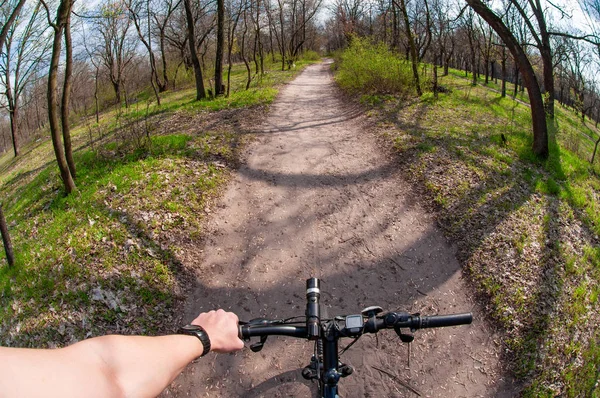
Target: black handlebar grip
x=437 y=321
x=240 y=332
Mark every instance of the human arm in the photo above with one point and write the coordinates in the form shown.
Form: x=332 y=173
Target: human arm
x=112 y=365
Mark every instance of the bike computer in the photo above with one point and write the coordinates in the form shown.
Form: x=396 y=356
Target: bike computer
x=354 y=323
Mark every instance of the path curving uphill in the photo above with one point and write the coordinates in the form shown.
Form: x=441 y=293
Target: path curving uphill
x=317 y=196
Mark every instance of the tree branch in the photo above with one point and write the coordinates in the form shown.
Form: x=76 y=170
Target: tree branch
x=52 y=24
x=586 y=38
x=9 y=22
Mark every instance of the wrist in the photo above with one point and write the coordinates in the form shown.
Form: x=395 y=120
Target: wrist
x=200 y=335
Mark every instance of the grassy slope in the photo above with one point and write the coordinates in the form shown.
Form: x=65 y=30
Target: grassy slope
x=527 y=231
x=108 y=258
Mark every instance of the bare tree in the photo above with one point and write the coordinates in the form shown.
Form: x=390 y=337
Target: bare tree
x=115 y=45
x=60 y=25
x=200 y=92
x=95 y=59
x=413 y=48
x=485 y=48
x=579 y=61
x=66 y=95
x=539 y=32
x=243 y=50
x=302 y=13
x=219 y=87
x=231 y=29
x=140 y=15
x=26 y=49
x=473 y=39
x=161 y=18
x=538 y=114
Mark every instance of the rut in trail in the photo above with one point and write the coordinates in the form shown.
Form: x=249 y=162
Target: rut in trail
x=318 y=197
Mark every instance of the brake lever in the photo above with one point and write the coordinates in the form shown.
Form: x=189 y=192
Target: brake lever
x=405 y=337
x=394 y=319
x=256 y=347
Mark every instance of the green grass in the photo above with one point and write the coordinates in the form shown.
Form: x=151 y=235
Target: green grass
x=112 y=235
x=527 y=229
x=61 y=243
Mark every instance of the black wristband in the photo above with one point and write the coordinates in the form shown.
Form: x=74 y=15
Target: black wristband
x=198 y=331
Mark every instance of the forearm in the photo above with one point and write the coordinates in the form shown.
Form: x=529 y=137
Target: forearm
x=113 y=366
x=143 y=366
x=110 y=366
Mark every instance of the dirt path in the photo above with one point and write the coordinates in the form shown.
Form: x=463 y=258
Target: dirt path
x=318 y=197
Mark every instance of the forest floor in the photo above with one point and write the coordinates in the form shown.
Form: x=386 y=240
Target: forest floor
x=317 y=196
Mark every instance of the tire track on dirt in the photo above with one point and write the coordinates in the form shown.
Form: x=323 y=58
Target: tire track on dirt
x=316 y=196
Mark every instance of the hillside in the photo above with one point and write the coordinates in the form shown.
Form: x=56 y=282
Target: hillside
x=526 y=230
x=107 y=258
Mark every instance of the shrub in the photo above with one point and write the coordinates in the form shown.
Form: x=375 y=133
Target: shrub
x=311 y=55
x=368 y=68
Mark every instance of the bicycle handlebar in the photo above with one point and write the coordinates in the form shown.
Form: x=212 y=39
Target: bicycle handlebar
x=325 y=365
x=389 y=320
x=416 y=321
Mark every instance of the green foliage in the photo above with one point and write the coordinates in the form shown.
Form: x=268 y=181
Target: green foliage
x=367 y=68
x=311 y=55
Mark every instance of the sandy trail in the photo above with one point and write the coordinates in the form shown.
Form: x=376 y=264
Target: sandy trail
x=318 y=197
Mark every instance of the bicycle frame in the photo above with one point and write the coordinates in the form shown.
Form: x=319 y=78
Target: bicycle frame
x=331 y=375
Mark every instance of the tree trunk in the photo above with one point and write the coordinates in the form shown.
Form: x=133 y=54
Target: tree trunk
x=395 y=33
x=230 y=40
x=117 y=87
x=12 y=102
x=165 y=86
x=154 y=80
x=538 y=114
x=282 y=35
x=13 y=130
x=447 y=64
x=62 y=15
x=66 y=97
x=413 y=48
x=200 y=93
x=548 y=81
x=254 y=54
x=97 y=108
x=242 y=53
x=546 y=53
x=10 y=257
x=472 y=52
x=219 y=51
x=474 y=69
x=435 y=79
x=595 y=149
x=503 y=90
x=516 y=80
x=582 y=102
